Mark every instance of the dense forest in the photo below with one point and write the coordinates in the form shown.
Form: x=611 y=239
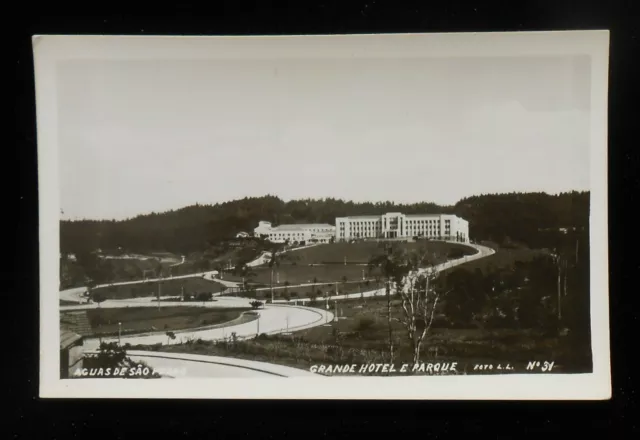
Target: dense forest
x=514 y=218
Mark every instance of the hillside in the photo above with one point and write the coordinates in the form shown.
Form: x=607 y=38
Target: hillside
x=513 y=218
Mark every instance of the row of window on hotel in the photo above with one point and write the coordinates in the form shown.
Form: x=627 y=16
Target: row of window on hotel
x=408 y=222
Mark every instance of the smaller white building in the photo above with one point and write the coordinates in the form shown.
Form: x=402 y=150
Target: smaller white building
x=296 y=233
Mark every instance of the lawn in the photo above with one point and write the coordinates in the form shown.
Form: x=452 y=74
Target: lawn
x=169 y=287
x=326 y=262
x=299 y=292
x=147 y=319
x=297 y=274
x=361 y=252
x=503 y=258
x=234 y=256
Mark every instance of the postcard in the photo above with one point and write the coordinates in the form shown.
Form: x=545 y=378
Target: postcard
x=384 y=216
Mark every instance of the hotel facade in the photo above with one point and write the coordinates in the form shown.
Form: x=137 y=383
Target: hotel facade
x=395 y=225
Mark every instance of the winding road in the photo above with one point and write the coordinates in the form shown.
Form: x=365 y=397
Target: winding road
x=273 y=319
x=193 y=366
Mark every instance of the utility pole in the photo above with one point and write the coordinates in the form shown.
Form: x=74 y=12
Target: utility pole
x=564 y=292
x=559 y=263
x=258 y=323
x=336 y=313
x=271 y=286
x=159 y=291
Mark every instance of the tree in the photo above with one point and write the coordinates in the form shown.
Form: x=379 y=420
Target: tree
x=111 y=356
x=98 y=298
x=419 y=301
x=315 y=295
x=394 y=267
x=275 y=259
x=531 y=218
x=90 y=284
x=170 y=336
x=466 y=296
x=246 y=273
x=313 y=284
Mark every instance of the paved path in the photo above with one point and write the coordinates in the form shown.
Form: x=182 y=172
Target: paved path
x=75 y=294
x=265 y=256
x=180 y=262
x=181 y=365
x=220 y=302
x=273 y=319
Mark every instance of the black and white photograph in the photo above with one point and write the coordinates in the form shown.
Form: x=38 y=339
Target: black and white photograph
x=391 y=216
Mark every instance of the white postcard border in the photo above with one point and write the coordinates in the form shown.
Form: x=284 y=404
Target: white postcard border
x=48 y=50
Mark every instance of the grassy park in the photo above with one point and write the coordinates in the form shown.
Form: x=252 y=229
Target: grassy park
x=361 y=252
x=104 y=321
x=168 y=287
x=341 y=262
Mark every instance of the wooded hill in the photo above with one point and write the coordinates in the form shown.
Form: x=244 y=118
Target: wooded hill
x=501 y=218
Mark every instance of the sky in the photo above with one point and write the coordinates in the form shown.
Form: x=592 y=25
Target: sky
x=153 y=135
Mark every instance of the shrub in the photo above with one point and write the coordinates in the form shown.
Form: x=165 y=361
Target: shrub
x=256 y=304
x=365 y=323
x=204 y=296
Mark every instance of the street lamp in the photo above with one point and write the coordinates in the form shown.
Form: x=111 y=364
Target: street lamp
x=119 y=332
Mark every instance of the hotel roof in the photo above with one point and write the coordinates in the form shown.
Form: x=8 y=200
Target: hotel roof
x=370 y=217
x=68 y=338
x=300 y=227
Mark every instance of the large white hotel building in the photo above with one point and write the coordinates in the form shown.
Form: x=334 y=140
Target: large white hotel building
x=392 y=225
x=397 y=225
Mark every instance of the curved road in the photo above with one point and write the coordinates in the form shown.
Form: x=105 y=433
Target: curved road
x=273 y=319
x=75 y=294
x=189 y=366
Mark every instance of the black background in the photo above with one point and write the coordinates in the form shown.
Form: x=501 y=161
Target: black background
x=29 y=417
